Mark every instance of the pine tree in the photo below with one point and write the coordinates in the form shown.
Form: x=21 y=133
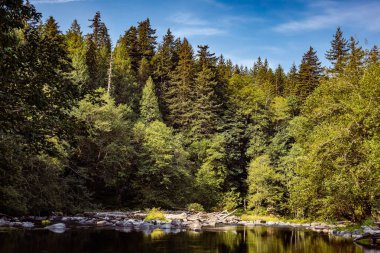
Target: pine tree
x=291 y=81
x=279 y=80
x=92 y=67
x=206 y=105
x=124 y=85
x=102 y=45
x=309 y=74
x=373 y=56
x=77 y=53
x=164 y=65
x=130 y=39
x=355 y=64
x=337 y=55
x=146 y=39
x=181 y=90
x=149 y=103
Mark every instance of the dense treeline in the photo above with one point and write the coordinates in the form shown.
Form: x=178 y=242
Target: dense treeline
x=147 y=123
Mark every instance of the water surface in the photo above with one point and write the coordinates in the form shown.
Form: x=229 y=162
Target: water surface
x=221 y=240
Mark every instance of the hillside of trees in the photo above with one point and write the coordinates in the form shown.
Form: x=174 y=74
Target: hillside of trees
x=153 y=122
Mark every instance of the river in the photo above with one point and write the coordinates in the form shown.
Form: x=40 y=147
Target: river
x=219 y=240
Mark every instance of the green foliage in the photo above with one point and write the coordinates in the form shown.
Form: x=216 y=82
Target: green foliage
x=105 y=155
x=231 y=200
x=155 y=214
x=195 y=207
x=266 y=186
x=163 y=177
x=149 y=103
x=211 y=175
x=301 y=144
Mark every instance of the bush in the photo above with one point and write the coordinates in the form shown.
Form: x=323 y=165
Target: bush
x=195 y=207
x=155 y=214
x=231 y=200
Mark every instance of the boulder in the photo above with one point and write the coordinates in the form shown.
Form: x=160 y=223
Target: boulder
x=27 y=224
x=57 y=228
x=195 y=225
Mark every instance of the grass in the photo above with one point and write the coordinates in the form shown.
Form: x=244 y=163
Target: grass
x=155 y=214
x=271 y=218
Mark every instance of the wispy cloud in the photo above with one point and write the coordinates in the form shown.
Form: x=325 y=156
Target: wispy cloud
x=194 y=31
x=187 y=24
x=216 y=3
x=52 y=1
x=185 y=18
x=324 y=14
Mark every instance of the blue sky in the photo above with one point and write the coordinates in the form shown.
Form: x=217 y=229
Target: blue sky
x=242 y=30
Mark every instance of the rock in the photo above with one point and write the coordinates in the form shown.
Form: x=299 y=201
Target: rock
x=4 y=222
x=165 y=225
x=101 y=223
x=195 y=225
x=57 y=228
x=27 y=224
x=176 y=223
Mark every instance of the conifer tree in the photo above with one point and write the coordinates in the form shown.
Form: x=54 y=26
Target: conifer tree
x=149 y=103
x=206 y=105
x=309 y=74
x=92 y=66
x=102 y=45
x=146 y=39
x=373 y=55
x=77 y=53
x=337 y=55
x=180 y=95
x=355 y=63
x=164 y=65
x=124 y=89
x=291 y=81
x=279 y=81
x=130 y=39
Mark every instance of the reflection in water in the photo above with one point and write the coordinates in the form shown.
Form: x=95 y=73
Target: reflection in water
x=221 y=240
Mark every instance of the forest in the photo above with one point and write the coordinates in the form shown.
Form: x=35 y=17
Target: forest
x=151 y=122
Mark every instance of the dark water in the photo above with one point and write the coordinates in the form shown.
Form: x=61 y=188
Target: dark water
x=223 y=240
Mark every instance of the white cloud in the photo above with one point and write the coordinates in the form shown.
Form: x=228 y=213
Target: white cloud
x=52 y=1
x=184 y=18
x=194 y=31
x=328 y=13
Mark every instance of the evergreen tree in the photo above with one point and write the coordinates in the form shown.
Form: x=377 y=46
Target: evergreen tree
x=77 y=53
x=309 y=74
x=373 y=55
x=291 y=81
x=102 y=45
x=92 y=67
x=149 y=103
x=355 y=64
x=205 y=107
x=337 y=55
x=146 y=39
x=164 y=65
x=130 y=39
x=124 y=85
x=180 y=95
x=279 y=80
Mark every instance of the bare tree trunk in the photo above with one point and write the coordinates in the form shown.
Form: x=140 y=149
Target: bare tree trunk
x=109 y=76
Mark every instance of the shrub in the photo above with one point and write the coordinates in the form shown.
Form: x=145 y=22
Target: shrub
x=155 y=214
x=231 y=200
x=196 y=207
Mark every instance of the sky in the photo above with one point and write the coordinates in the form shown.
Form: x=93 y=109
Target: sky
x=281 y=31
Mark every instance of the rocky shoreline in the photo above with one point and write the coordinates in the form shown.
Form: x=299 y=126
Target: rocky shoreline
x=175 y=222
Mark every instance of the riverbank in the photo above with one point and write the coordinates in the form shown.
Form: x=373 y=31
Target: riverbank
x=174 y=220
